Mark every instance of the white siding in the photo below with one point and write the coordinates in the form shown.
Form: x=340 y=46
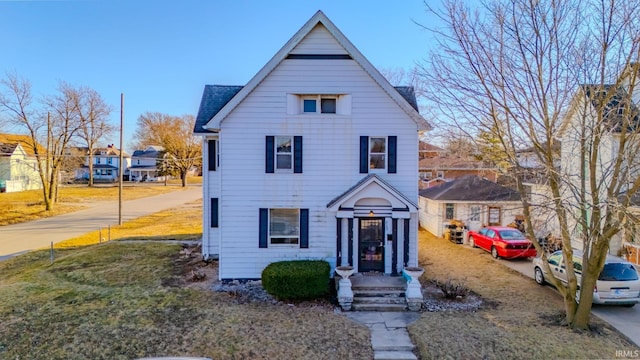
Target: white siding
x=318 y=41
x=330 y=157
x=432 y=213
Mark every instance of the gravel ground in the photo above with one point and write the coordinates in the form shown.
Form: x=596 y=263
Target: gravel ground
x=434 y=300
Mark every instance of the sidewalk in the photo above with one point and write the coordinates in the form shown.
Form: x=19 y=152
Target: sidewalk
x=389 y=337
x=20 y=238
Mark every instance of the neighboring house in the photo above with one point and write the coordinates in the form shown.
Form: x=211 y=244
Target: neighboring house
x=106 y=164
x=315 y=158
x=445 y=167
x=618 y=106
x=144 y=164
x=427 y=150
x=18 y=164
x=470 y=199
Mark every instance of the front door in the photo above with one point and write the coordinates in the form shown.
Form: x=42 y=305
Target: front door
x=371 y=245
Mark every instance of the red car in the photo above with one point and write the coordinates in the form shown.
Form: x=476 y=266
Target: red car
x=502 y=241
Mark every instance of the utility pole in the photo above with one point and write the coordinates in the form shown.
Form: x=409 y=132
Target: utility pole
x=121 y=172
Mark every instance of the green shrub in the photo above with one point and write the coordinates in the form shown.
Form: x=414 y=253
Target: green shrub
x=297 y=280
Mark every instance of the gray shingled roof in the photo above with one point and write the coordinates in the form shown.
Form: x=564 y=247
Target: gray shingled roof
x=7 y=149
x=618 y=106
x=470 y=188
x=214 y=98
x=408 y=94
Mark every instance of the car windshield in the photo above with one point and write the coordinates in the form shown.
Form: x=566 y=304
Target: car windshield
x=511 y=235
x=618 y=272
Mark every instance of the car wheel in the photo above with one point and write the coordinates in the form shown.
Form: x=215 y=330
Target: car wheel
x=472 y=242
x=494 y=252
x=538 y=276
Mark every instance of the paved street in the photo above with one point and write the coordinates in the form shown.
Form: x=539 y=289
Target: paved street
x=20 y=238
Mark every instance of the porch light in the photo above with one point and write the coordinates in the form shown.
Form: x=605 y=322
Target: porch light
x=371 y=213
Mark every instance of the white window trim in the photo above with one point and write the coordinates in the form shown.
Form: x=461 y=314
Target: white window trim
x=473 y=214
x=295 y=104
x=453 y=208
x=275 y=155
x=386 y=154
x=318 y=100
x=271 y=244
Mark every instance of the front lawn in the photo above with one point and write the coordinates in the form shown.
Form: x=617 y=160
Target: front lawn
x=519 y=319
x=123 y=300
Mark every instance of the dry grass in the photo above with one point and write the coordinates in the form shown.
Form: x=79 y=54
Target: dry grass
x=127 y=300
x=519 y=320
x=28 y=205
x=124 y=300
x=184 y=223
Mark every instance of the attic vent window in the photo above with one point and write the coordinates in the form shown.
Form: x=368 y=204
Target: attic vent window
x=323 y=104
x=319 y=104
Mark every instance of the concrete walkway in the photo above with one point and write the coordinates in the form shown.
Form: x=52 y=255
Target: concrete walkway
x=389 y=337
x=20 y=238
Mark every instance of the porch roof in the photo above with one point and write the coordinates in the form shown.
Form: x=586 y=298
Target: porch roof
x=381 y=184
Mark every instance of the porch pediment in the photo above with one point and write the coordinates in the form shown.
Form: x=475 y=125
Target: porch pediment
x=372 y=191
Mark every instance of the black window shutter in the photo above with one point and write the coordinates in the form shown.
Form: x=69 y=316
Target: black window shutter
x=214 y=212
x=364 y=154
x=269 y=162
x=304 y=228
x=212 y=155
x=393 y=153
x=297 y=154
x=264 y=228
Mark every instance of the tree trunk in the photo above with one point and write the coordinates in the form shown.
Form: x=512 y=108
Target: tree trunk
x=183 y=177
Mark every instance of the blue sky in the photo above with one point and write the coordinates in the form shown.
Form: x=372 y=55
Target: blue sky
x=160 y=54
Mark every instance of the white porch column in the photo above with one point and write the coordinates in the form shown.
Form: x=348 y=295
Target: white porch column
x=356 y=254
x=344 y=241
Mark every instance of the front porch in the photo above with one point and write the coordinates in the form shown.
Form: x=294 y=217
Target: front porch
x=379 y=292
x=376 y=228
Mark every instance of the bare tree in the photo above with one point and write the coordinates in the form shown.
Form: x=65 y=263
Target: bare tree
x=93 y=112
x=182 y=150
x=54 y=128
x=513 y=69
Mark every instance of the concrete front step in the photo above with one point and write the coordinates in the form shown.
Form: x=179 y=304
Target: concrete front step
x=378 y=307
x=378 y=292
x=379 y=300
x=394 y=355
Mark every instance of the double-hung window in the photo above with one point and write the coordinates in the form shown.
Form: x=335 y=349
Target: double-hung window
x=449 y=211
x=378 y=154
x=284 y=227
x=284 y=153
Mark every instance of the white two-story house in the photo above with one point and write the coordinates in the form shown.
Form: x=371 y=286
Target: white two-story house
x=316 y=157
x=144 y=164
x=613 y=112
x=105 y=164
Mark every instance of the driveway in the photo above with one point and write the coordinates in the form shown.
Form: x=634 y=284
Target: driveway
x=625 y=320
x=24 y=237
